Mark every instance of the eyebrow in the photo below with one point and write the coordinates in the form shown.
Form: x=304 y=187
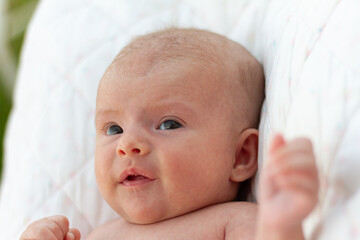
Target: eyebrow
x=163 y=106
x=105 y=111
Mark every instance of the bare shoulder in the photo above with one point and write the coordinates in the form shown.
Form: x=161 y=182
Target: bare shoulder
x=109 y=230
x=242 y=221
x=233 y=220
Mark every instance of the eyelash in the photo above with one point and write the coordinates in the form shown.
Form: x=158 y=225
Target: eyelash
x=177 y=122
x=106 y=128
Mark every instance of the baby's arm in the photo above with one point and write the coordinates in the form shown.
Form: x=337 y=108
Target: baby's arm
x=288 y=189
x=51 y=228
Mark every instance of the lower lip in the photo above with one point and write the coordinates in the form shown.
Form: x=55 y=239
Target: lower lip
x=136 y=183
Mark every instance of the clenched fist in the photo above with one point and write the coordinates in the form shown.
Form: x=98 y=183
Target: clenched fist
x=51 y=228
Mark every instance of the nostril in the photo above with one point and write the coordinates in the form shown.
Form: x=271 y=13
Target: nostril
x=122 y=152
x=136 y=150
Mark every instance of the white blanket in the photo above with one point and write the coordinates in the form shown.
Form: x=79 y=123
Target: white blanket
x=311 y=54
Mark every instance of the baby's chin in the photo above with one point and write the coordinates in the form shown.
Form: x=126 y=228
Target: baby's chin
x=138 y=216
x=150 y=216
x=143 y=221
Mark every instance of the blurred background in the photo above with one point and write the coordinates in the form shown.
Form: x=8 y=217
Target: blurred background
x=14 y=19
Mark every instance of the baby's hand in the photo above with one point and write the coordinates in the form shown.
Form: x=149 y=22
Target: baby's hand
x=289 y=185
x=51 y=228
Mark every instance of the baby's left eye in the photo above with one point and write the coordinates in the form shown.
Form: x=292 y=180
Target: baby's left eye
x=169 y=124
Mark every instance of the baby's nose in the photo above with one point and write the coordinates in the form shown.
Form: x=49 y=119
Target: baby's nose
x=132 y=147
x=132 y=151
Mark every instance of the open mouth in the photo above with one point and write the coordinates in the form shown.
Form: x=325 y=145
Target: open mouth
x=133 y=178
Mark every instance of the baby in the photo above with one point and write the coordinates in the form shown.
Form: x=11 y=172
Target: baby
x=176 y=117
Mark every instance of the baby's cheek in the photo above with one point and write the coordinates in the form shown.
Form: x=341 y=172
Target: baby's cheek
x=102 y=171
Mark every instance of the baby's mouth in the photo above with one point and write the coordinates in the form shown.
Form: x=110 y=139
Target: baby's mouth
x=132 y=179
x=135 y=178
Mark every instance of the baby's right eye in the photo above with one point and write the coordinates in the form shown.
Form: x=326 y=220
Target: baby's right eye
x=114 y=129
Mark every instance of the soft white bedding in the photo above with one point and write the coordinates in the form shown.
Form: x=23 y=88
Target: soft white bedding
x=311 y=55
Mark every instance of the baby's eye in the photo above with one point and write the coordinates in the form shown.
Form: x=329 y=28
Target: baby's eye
x=169 y=124
x=114 y=129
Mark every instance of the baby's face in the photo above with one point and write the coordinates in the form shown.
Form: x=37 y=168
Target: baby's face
x=165 y=145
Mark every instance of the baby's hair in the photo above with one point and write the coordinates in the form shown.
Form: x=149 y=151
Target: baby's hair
x=176 y=44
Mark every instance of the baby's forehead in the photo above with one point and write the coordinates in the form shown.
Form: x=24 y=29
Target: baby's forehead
x=215 y=56
x=175 y=78
x=181 y=66
x=195 y=75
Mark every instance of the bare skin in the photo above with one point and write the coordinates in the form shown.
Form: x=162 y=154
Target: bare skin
x=214 y=222
x=51 y=228
x=175 y=140
x=288 y=189
x=291 y=179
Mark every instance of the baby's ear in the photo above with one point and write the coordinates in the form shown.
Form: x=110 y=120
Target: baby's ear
x=245 y=164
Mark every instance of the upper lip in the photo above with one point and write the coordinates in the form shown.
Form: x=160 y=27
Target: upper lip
x=134 y=172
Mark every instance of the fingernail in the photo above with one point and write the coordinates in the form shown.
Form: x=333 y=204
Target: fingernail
x=70 y=236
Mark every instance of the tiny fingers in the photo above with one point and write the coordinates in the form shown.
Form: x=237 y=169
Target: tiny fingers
x=297 y=153
x=276 y=141
x=49 y=228
x=298 y=182
x=292 y=164
x=59 y=225
x=73 y=234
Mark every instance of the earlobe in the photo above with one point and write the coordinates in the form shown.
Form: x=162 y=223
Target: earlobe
x=245 y=164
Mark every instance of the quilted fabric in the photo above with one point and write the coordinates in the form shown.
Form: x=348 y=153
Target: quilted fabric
x=311 y=57
x=312 y=64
